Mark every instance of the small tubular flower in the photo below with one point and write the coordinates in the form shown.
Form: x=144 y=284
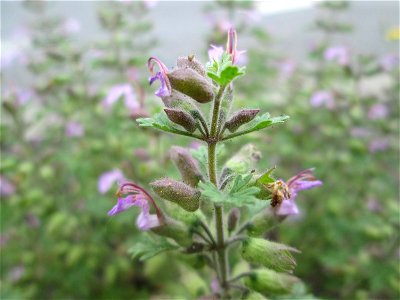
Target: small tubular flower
x=137 y=196
x=165 y=88
x=231 y=45
x=284 y=194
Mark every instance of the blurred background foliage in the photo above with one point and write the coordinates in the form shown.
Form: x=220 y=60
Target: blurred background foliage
x=68 y=134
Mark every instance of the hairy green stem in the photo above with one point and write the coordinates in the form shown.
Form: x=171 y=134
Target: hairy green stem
x=219 y=222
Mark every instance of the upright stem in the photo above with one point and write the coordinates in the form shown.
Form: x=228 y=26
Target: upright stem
x=219 y=222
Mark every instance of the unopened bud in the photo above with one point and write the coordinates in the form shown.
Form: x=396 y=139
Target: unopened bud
x=269 y=282
x=262 y=222
x=187 y=165
x=178 y=192
x=181 y=118
x=192 y=63
x=241 y=117
x=233 y=218
x=269 y=254
x=191 y=83
x=174 y=230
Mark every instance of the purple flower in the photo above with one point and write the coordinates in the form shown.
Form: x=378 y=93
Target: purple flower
x=7 y=188
x=150 y=3
x=378 y=145
x=231 y=46
x=137 y=196
x=238 y=56
x=323 y=97
x=339 y=54
x=165 y=89
x=107 y=179
x=378 y=111
x=389 y=62
x=121 y=90
x=215 y=53
x=302 y=181
x=286 y=68
x=74 y=129
x=72 y=25
x=16 y=273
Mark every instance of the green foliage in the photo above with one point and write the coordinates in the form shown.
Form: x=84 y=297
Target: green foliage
x=148 y=247
x=223 y=72
x=240 y=193
x=260 y=122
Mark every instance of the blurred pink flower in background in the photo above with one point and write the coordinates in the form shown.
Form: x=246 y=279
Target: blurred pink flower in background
x=16 y=273
x=150 y=3
x=322 y=98
x=74 y=129
x=378 y=144
x=7 y=188
x=378 y=111
x=13 y=49
x=287 y=68
x=108 y=179
x=338 y=54
x=389 y=62
x=374 y=205
x=360 y=132
x=121 y=90
x=72 y=25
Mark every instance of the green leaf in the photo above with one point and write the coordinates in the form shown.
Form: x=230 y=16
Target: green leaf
x=148 y=247
x=238 y=194
x=223 y=72
x=260 y=122
x=160 y=121
x=266 y=177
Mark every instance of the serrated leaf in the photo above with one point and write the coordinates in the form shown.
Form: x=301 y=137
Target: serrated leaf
x=222 y=71
x=259 y=122
x=148 y=247
x=266 y=177
x=238 y=194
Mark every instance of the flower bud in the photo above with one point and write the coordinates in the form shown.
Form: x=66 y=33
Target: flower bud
x=241 y=117
x=192 y=63
x=262 y=222
x=269 y=254
x=233 y=218
x=269 y=282
x=181 y=118
x=175 y=230
x=184 y=195
x=191 y=83
x=245 y=159
x=187 y=165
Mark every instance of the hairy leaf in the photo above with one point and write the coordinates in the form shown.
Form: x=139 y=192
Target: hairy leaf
x=149 y=247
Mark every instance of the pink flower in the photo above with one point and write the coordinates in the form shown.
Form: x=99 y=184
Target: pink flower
x=7 y=188
x=165 y=88
x=378 y=145
x=378 y=111
x=72 y=25
x=137 y=196
x=74 y=129
x=322 y=98
x=107 y=179
x=302 y=181
x=121 y=90
x=238 y=56
x=215 y=52
x=338 y=54
x=389 y=62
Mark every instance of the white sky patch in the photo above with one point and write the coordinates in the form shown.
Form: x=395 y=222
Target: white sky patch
x=281 y=6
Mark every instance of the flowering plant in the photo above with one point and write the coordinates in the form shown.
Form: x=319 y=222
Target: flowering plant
x=213 y=210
